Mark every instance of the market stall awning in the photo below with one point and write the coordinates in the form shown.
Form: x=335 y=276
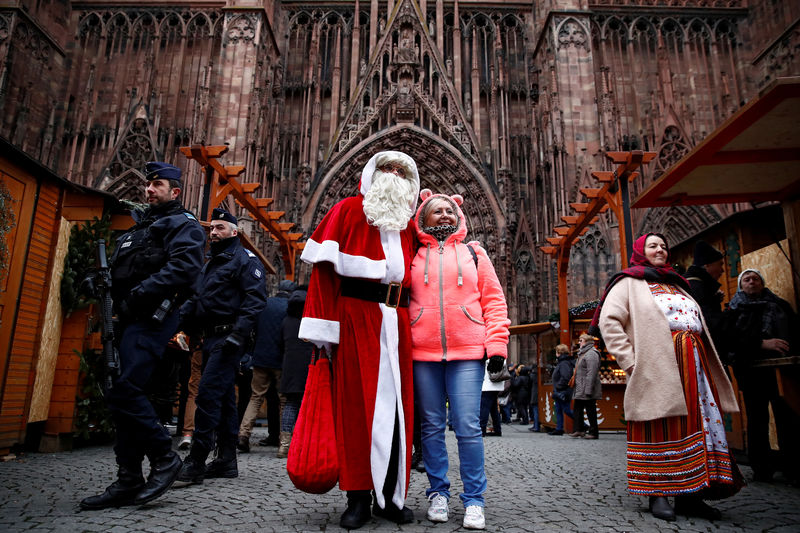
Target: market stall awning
x=538 y=327
x=754 y=156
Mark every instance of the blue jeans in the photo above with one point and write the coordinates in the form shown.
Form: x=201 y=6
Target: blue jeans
x=460 y=381
x=561 y=408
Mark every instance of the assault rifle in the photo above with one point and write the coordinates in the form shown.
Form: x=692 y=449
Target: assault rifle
x=103 y=287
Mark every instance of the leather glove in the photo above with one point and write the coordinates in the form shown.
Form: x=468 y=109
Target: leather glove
x=232 y=344
x=496 y=363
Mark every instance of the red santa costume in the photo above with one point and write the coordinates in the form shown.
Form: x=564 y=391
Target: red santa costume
x=371 y=355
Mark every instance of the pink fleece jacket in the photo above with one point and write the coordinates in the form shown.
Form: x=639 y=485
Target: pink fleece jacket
x=457 y=311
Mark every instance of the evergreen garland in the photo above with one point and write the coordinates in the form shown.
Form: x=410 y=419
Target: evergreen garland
x=576 y=311
x=80 y=262
x=92 y=418
x=7 y=221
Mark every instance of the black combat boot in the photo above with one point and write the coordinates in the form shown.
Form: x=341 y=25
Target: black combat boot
x=120 y=493
x=224 y=464
x=163 y=471
x=357 y=513
x=194 y=468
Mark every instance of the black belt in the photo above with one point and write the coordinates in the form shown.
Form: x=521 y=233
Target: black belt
x=215 y=331
x=391 y=295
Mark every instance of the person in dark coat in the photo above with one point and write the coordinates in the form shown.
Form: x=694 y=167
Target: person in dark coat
x=296 y=354
x=702 y=276
x=587 y=388
x=760 y=325
x=267 y=362
x=534 y=401
x=229 y=295
x=521 y=392
x=154 y=263
x=562 y=392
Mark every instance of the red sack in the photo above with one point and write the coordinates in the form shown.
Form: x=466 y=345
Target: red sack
x=313 y=463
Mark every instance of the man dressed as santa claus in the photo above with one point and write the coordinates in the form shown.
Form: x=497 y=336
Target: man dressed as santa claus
x=357 y=309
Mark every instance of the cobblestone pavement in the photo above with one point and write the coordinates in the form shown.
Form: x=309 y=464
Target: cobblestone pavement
x=537 y=483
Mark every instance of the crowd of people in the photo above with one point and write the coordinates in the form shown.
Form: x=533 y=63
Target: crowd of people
x=414 y=322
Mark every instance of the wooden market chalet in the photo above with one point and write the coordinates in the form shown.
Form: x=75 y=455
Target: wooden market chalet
x=41 y=368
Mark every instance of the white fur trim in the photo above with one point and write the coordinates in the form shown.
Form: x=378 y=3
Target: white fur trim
x=353 y=266
x=383 y=157
x=389 y=396
x=321 y=332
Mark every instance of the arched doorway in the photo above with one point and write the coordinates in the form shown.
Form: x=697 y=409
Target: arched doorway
x=441 y=168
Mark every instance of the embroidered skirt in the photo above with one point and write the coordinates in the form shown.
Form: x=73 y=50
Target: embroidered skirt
x=685 y=454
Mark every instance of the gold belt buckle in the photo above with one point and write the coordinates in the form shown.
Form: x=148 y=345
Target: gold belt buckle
x=389 y=291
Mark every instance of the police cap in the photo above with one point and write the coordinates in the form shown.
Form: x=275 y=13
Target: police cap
x=155 y=170
x=221 y=214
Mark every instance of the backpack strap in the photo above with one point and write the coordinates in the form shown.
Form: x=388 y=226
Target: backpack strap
x=473 y=254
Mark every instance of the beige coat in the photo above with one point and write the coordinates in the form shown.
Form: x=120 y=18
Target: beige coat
x=637 y=333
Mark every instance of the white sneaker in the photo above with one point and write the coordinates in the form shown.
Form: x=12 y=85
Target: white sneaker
x=437 y=511
x=473 y=517
x=185 y=442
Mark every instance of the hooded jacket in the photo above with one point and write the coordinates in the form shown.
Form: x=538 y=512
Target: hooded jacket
x=458 y=310
x=296 y=352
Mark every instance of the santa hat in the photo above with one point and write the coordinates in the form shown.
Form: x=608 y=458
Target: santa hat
x=382 y=158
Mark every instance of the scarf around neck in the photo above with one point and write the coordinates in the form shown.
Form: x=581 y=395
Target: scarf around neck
x=640 y=268
x=440 y=233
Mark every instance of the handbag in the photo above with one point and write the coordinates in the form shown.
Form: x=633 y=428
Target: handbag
x=501 y=375
x=313 y=464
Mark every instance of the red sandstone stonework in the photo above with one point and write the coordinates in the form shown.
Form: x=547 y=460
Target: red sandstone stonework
x=511 y=104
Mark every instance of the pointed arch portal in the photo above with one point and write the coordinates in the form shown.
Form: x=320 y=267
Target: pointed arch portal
x=442 y=168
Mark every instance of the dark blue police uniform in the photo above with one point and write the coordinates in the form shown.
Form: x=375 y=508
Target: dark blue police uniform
x=154 y=266
x=229 y=295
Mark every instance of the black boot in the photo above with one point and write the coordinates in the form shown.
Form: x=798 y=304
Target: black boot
x=120 y=493
x=660 y=507
x=163 y=471
x=224 y=465
x=416 y=460
x=194 y=468
x=694 y=506
x=392 y=512
x=357 y=513
x=271 y=440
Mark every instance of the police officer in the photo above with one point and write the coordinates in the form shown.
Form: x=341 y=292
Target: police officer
x=229 y=295
x=153 y=268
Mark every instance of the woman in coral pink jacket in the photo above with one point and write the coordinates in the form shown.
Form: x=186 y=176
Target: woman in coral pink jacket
x=458 y=316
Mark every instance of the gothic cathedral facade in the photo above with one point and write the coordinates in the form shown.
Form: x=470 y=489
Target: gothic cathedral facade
x=510 y=103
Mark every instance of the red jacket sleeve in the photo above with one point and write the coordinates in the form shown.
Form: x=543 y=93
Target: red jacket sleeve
x=320 y=323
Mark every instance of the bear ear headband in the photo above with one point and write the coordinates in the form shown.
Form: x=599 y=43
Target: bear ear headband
x=424 y=194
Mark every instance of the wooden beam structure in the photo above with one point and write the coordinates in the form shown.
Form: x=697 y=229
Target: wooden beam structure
x=612 y=194
x=754 y=156
x=222 y=181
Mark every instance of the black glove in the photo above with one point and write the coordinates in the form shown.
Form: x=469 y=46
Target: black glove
x=133 y=305
x=245 y=363
x=496 y=363
x=232 y=344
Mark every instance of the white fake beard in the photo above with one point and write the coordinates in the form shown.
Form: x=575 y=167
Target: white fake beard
x=388 y=201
